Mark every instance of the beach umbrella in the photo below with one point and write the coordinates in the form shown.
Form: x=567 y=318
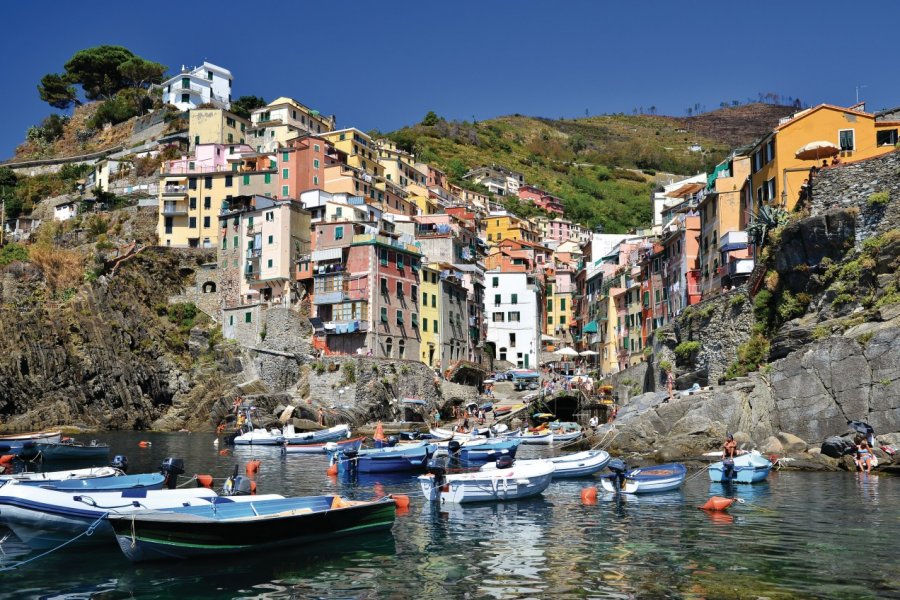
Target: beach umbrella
x=567 y=352
x=588 y=353
x=816 y=150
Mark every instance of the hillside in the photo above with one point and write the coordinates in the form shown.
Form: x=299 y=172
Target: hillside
x=586 y=161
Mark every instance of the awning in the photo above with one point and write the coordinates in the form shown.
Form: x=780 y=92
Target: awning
x=590 y=327
x=717 y=172
x=327 y=254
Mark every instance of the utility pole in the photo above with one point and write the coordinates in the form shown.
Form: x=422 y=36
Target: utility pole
x=859 y=87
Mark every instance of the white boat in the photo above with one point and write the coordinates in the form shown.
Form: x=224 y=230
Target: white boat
x=534 y=437
x=45 y=518
x=568 y=466
x=478 y=433
x=569 y=436
x=645 y=480
x=62 y=475
x=322 y=436
x=746 y=468
x=513 y=483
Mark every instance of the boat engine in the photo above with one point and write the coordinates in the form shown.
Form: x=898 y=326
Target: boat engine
x=392 y=441
x=618 y=468
x=171 y=468
x=120 y=462
x=728 y=471
x=240 y=486
x=453 y=447
x=504 y=461
x=349 y=457
x=438 y=468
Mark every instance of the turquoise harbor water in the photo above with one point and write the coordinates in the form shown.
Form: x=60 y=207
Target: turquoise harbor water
x=804 y=535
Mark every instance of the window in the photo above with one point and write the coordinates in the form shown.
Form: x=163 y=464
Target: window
x=399 y=289
x=757 y=161
x=207 y=183
x=549 y=319
x=770 y=189
x=231 y=319
x=234 y=242
x=424 y=298
x=435 y=326
x=206 y=222
x=284 y=157
x=192 y=203
x=315 y=163
x=192 y=222
x=513 y=317
x=770 y=150
x=284 y=190
x=562 y=304
x=846 y=140
x=512 y=339
x=185 y=98
x=496 y=299
x=246 y=180
x=388 y=346
x=284 y=173
x=515 y=299
x=269 y=263
x=434 y=301
x=268 y=178
x=414 y=319
x=339 y=232
x=399 y=317
x=496 y=280
x=384 y=314
x=414 y=293
x=271 y=239
x=400 y=261
x=549 y=304
x=424 y=324
x=315 y=180
x=384 y=257
x=384 y=287
x=497 y=317
x=248 y=317
x=315 y=147
x=196 y=139
x=886 y=138
x=224 y=243
x=207 y=202
x=401 y=349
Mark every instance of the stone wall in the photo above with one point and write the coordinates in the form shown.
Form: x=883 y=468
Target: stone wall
x=851 y=186
x=284 y=333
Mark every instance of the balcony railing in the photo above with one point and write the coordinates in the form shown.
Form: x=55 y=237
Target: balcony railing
x=346 y=327
x=172 y=190
x=173 y=210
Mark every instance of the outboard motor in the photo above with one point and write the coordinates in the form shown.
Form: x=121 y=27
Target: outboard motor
x=240 y=486
x=618 y=467
x=453 y=447
x=120 y=462
x=392 y=441
x=728 y=471
x=504 y=461
x=349 y=457
x=171 y=468
x=438 y=468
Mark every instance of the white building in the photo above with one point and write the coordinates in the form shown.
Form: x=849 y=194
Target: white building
x=65 y=208
x=206 y=84
x=512 y=310
x=673 y=193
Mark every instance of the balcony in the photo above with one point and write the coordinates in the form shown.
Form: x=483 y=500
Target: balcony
x=733 y=240
x=172 y=209
x=345 y=327
x=320 y=298
x=254 y=253
x=175 y=190
x=740 y=268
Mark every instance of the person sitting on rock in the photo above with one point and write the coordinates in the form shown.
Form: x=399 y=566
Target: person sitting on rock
x=864 y=454
x=729 y=448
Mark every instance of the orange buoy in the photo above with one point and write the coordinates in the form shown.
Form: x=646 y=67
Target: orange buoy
x=223 y=452
x=144 y=444
x=589 y=495
x=332 y=469
x=252 y=467
x=252 y=488
x=400 y=500
x=6 y=459
x=717 y=503
x=205 y=481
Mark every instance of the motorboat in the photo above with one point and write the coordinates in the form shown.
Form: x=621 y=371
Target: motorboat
x=67 y=449
x=476 y=452
x=322 y=436
x=569 y=466
x=17 y=441
x=54 y=476
x=323 y=448
x=543 y=436
x=512 y=483
x=643 y=480
x=389 y=459
x=746 y=468
x=147 y=481
x=228 y=528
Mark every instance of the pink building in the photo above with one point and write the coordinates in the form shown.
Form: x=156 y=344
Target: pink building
x=541 y=198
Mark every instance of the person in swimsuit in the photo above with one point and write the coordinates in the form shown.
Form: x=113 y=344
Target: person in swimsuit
x=729 y=448
x=863 y=454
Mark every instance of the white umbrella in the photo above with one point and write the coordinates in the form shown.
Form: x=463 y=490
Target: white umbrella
x=816 y=150
x=567 y=352
x=588 y=353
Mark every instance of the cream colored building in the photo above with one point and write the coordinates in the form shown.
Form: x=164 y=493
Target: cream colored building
x=282 y=120
x=216 y=126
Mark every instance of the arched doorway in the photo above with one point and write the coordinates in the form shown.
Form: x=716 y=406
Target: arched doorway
x=209 y=287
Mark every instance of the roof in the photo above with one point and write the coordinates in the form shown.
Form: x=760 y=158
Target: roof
x=805 y=113
x=690 y=188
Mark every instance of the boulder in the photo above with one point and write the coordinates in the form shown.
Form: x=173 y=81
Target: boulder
x=836 y=447
x=743 y=440
x=847 y=463
x=771 y=446
x=791 y=443
x=889 y=439
x=809 y=461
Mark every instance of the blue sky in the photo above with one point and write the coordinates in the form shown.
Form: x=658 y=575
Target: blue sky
x=385 y=64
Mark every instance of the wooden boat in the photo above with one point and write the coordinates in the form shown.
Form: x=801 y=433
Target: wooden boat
x=645 y=480
x=147 y=481
x=747 y=468
x=486 y=486
x=55 y=476
x=244 y=527
x=569 y=466
x=44 y=518
x=392 y=459
x=65 y=450
x=351 y=444
x=477 y=452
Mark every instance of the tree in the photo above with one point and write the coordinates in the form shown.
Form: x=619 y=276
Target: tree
x=57 y=91
x=97 y=70
x=243 y=105
x=430 y=119
x=140 y=73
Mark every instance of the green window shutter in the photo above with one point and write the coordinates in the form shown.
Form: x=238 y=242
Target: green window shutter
x=434 y=301
x=268 y=178
x=414 y=318
x=562 y=304
x=246 y=180
x=424 y=324
x=435 y=326
x=549 y=319
x=399 y=317
x=515 y=298
x=384 y=314
x=496 y=281
x=424 y=298
x=549 y=304
x=271 y=239
x=496 y=299
x=284 y=156
x=284 y=190
x=284 y=173
x=248 y=317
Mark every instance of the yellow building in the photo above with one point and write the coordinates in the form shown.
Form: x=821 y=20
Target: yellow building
x=777 y=175
x=400 y=166
x=723 y=217
x=607 y=323
x=430 y=316
x=192 y=190
x=560 y=291
x=361 y=150
x=505 y=226
x=216 y=126
x=282 y=120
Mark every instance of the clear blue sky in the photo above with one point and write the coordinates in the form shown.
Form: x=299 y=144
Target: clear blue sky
x=385 y=64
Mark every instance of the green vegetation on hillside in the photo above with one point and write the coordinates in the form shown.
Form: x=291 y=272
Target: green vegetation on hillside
x=586 y=162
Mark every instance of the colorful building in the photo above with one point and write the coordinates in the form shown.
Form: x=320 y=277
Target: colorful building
x=215 y=126
x=206 y=84
x=501 y=226
x=541 y=198
x=514 y=314
x=302 y=163
x=282 y=120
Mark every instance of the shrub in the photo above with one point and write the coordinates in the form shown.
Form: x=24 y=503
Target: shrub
x=821 y=332
x=685 y=350
x=13 y=252
x=349 y=370
x=665 y=366
x=879 y=198
x=772 y=281
x=648 y=352
x=750 y=356
x=736 y=301
x=182 y=314
x=61 y=268
x=332 y=367
x=762 y=308
x=841 y=299
x=793 y=306
x=864 y=338
x=318 y=367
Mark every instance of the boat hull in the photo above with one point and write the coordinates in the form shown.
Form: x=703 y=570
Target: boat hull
x=649 y=480
x=353 y=444
x=57 y=452
x=146 y=481
x=749 y=468
x=324 y=436
x=156 y=536
x=489 y=486
x=479 y=454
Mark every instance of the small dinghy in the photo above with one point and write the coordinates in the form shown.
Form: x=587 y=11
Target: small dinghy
x=257 y=524
x=478 y=452
x=644 y=480
x=509 y=483
x=147 y=481
x=56 y=476
x=392 y=459
x=17 y=441
x=746 y=468
x=542 y=437
x=67 y=449
x=569 y=466
x=351 y=444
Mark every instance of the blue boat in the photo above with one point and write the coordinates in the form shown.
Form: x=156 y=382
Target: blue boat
x=478 y=452
x=644 y=480
x=147 y=481
x=393 y=459
x=747 y=468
